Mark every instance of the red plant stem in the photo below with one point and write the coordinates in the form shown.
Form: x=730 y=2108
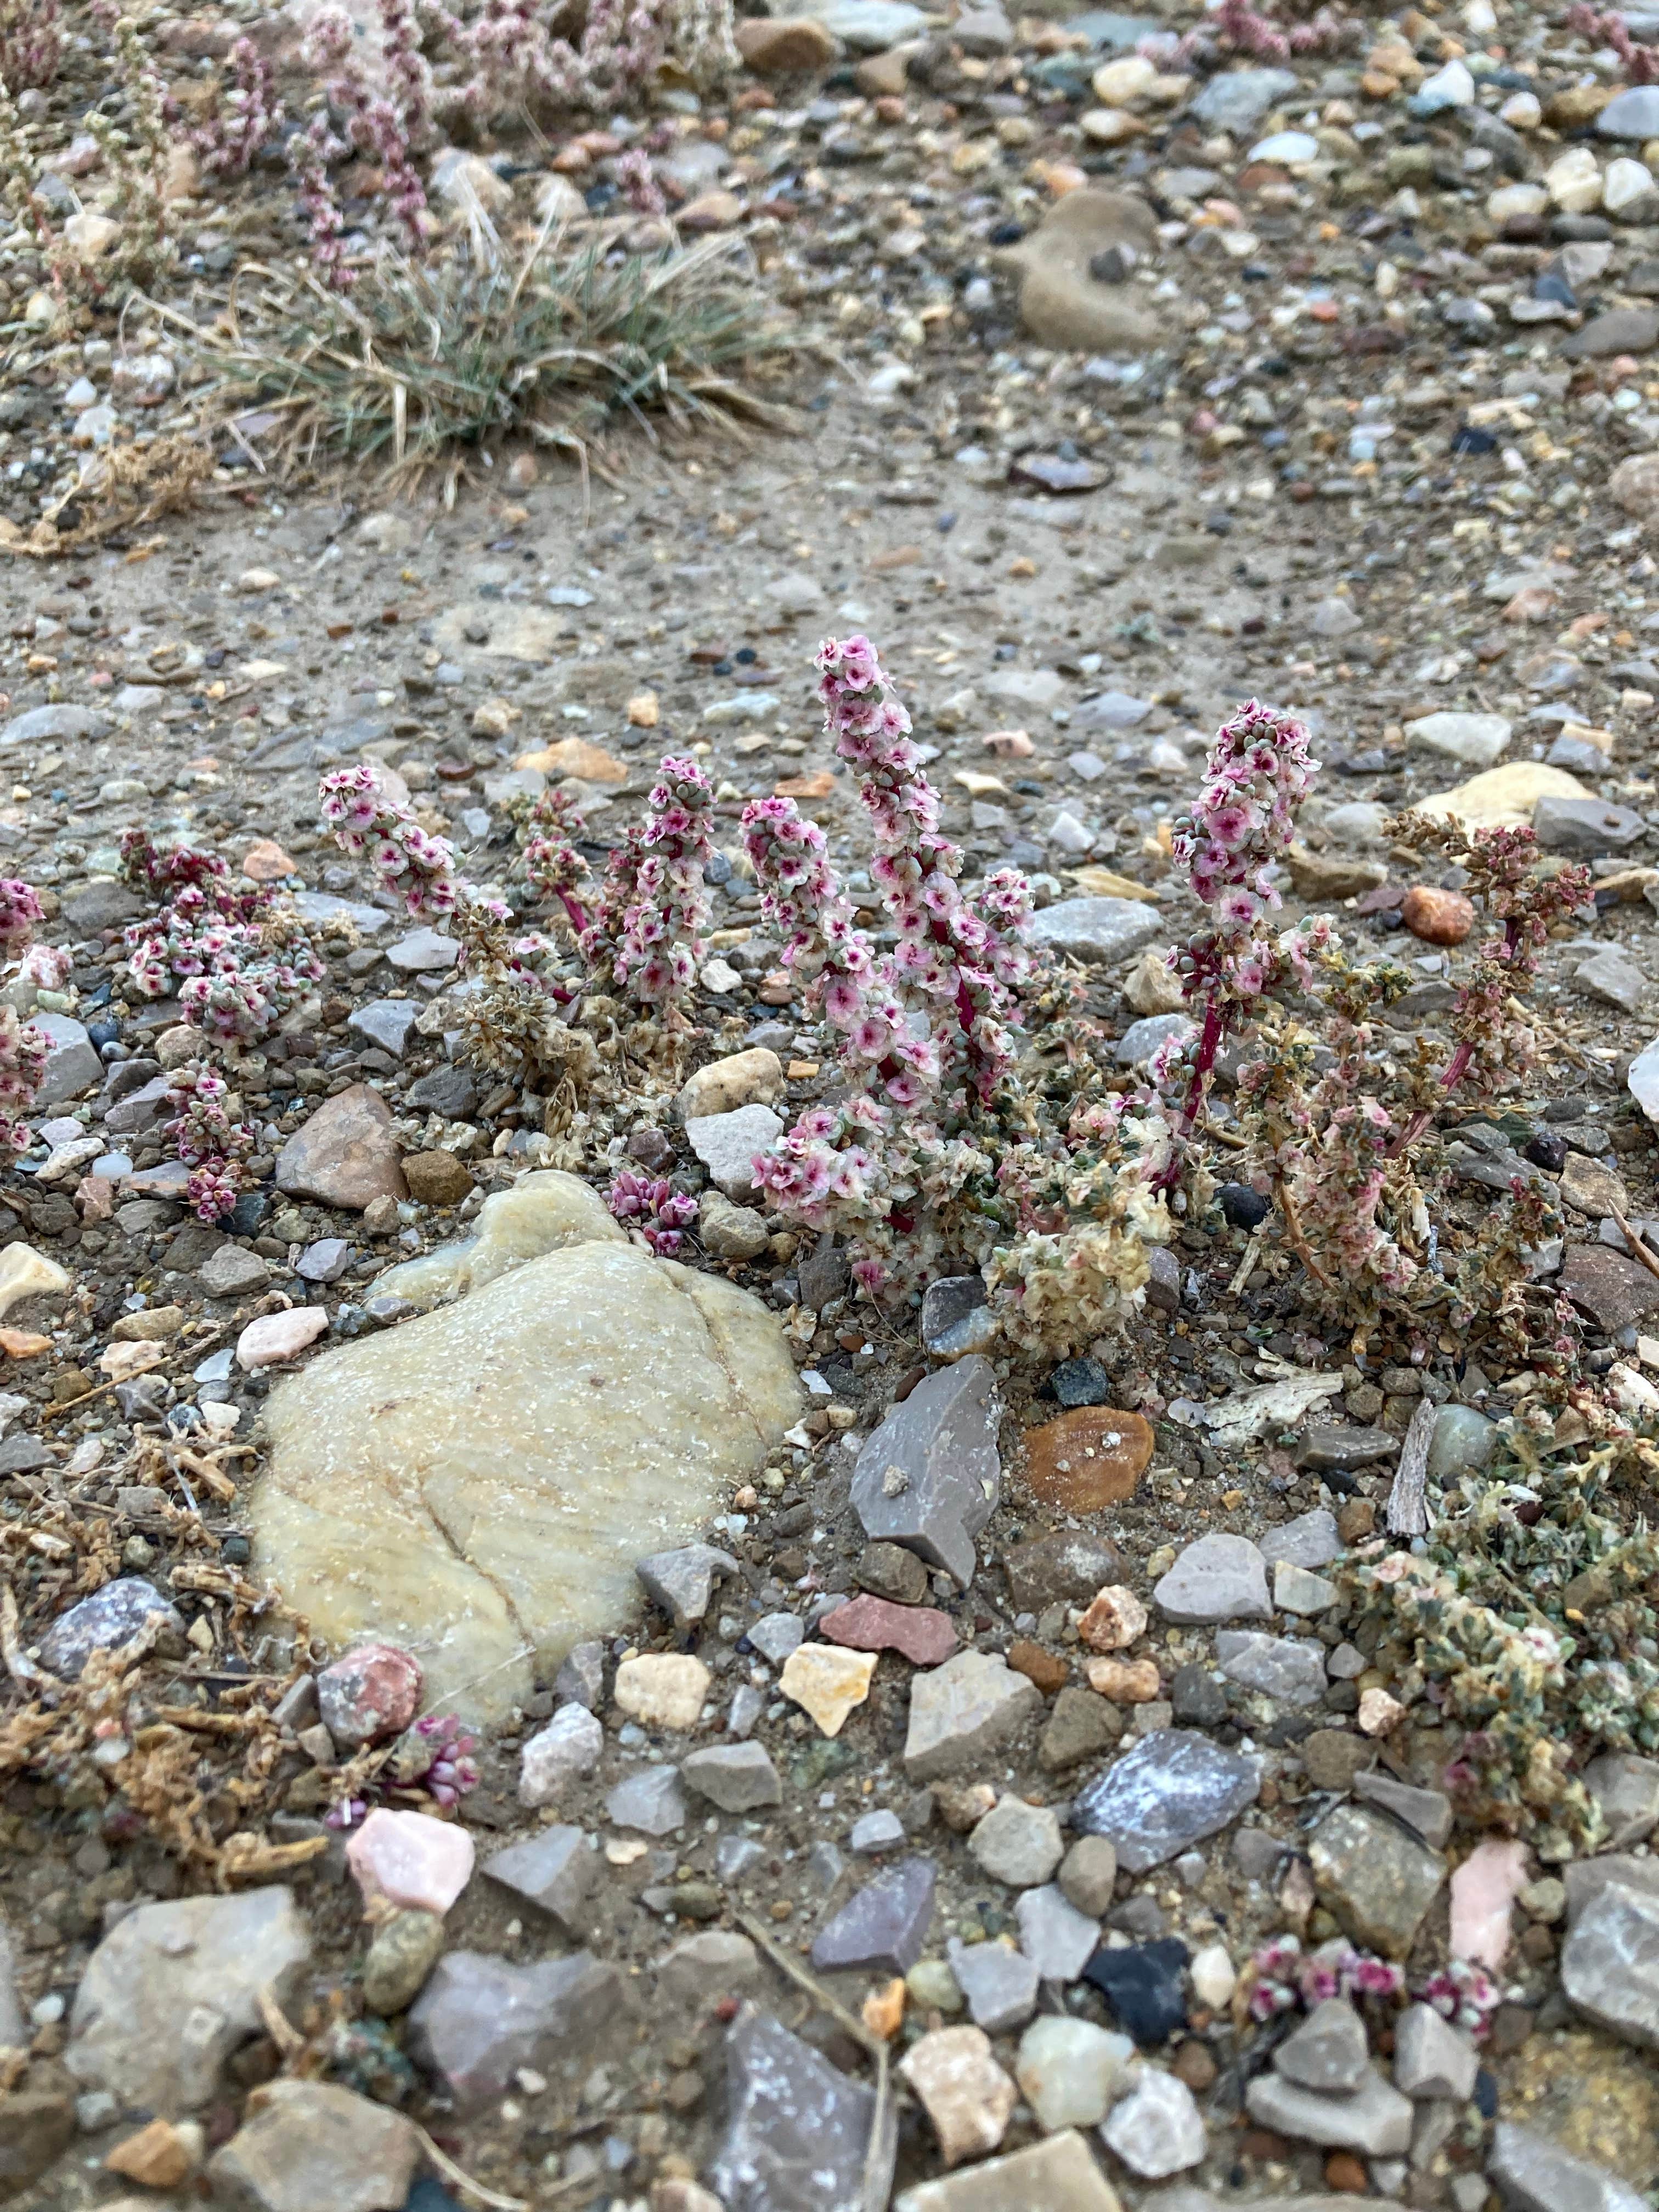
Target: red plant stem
x=574 y=910
x=1458 y=1065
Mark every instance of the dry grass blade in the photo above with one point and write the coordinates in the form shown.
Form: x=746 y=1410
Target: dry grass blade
x=421 y=364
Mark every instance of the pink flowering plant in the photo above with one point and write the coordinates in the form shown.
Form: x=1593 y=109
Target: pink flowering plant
x=650 y=1206
x=235 y=960
x=660 y=942
x=213 y=1147
x=247 y=117
x=929 y=1149
x=22 y=1047
x=1284 y=1978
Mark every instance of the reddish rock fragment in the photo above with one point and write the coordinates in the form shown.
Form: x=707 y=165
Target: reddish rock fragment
x=1438 y=917
x=1087 y=1459
x=374 y=1692
x=1049 y=1672
x=921 y=1633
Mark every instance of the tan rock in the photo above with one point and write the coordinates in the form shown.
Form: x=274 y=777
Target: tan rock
x=542 y=1212
x=783 y=45
x=266 y=862
x=1437 y=916
x=1087 y=1459
x=746 y=1079
x=1325 y=878
x=663 y=1689
x=476 y=1485
x=305 y=2145
x=884 y=76
x=160 y=2156
x=1152 y=986
x=26 y=1273
x=345 y=1155
x=1061 y=304
x=1115 y=1617
x=967 y=2095
x=575 y=756
x=1503 y=798
x=1125 y=1681
x=827 y=1682
x=711 y=211
x=437 y=1178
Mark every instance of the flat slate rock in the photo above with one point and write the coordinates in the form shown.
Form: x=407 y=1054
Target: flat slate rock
x=1170 y=1790
x=798 y=2129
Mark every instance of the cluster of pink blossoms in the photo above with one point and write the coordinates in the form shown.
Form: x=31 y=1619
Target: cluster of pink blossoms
x=249 y=118
x=234 y=963
x=210 y=1145
x=1285 y=1976
x=653 y=1206
x=661 y=941
x=408 y=860
x=22 y=1047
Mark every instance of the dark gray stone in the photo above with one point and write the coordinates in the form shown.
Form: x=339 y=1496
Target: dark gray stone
x=479 y=2019
x=386 y=1023
x=1620 y=330
x=450 y=1092
x=1329 y=2051
x=650 y=1800
x=882 y=1928
x=1171 y=1788
x=1610 y=1963
x=1326 y=1445
x=797 y=2130
x=736 y=1777
x=555 y=1870
x=1067 y=1568
x=931 y=1476
x=72 y=1063
x=955 y=1318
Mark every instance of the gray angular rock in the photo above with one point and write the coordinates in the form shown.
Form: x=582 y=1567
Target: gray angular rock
x=702 y=1968
x=872 y=1832
x=999 y=1984
x=1428 y=1812
x=423 y=952
x=581 y=1678
x=775 y=1635
x=1329 y=2053
x=1017 y=1842
x=727 y=1144
x=1586 y=827
x=868 y=27
x=110 y=1618
x=324 y=1261
x=555 y=1870
x=1287 y=1668
x=883 y=1926
x=1171 y=1789
x=1430 y=2058
x=682 y=1581
x=36 y=724
x=798 y=2132
x=1631 y=113
x=1616 y=980
x=1097 y=929
x=323 y=907
x=1059 y=2174
x=1325 y=1445
x=173 y=1990
x=1626 y=1792
x=962 y=1712
x=386 y=1023
x=1477 y=740
x=480 y=2019
x=1610 y=1962
x=650 y=1800
x=1068 y=1566
x=1057 y=1939
x=1217 y=1578
x=931 y=1476
x=232 y=1273
x=1374 y=2119
x=731 y=1232
x=140 y=1113
x=450 y=1092
x=954 y=1317
x=1235 y=100
x=14 y=2033
x=1533 y=2174
x=736 y=1777
x=1143 y=1038
x=1157 y=2129
x=72 y=1063
x=568 y=1747
x=305 y=2144
x=1376 y=1880
x=345 y=1155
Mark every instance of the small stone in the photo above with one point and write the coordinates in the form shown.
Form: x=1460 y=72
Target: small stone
x=1463 y=1442
x=883 y=1926
x=387 y=1023
x=727 y=1145
x=1294 y=1591
x=404 y=1950
x=1373 y=2117
x=345 y=1155
x=1171 y=1788
x=111 y=1618
x=889 y=1570
x=1477 y=740
x=954 y=1317
x=1332 y=1758
x=1057 y=1939
x=744 y=1078
x=1379 y=1712
x=1310 y=1541
x=410 y=1859
x=1483 y=1892
x=271 y=1339
x=1282 y=1667
x=1430 y=2058
x=828 y=1683
x=1067 y=1567
x=1157 y=2129
x=1213 y=1977
x=1376 y=1881
x=788 y=45
x=931 y=1476
x=962 y=1712
x=731 y=1232
x=1018 y=1843
x=1046 y=1669
x=650 y=1801
x=735 y=1777
x=1125 y=1681
x=373 y=1692
x=1096 y=930
x=1057 y=2175
x=303 y=2144
x=775 y=1635
x=1327 y=1447
x=1329 y=2051
x=702 y=1968
x=663 y=1689
x=479 y=2020
x=999 y=1984
x=232 y=1273
x=1439 y=917
x=1115 y=1620
x=922 y=1634
x=1536 y=2175
x=1428 y=1812
x=1080 y=1725
x=1625 y=1790
x=568 y=1747
x=964 y=2092
x=797 y=2133
x=873 y=1833
x=1069 y=2070
x=555 y=1870
x=437 y=1178
x=1142 y=1984
x=681 y=1583
x=1217 y=1578
x=1587 y=828
x=160 y=2156
x=1088 y=1875
x=325 y=1261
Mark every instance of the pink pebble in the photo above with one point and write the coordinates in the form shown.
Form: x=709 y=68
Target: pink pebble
x=412 y=1859
x=374 y=1692
x=923 y=1634
x=1483 y=1892
x=278 y=1336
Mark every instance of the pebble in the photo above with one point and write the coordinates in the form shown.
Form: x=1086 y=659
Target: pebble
x=1310 y=1541
x=873 y=1833
x=1142 y=1984
x=736 y=1778
x=1296 y=1591
x=1218 y=1578
x=568 y=1747
x=1088 y=1875
x=828 y=1683
x=798 y=2132
x=410 y=1859
x=480 y=2020
x=1017 y=1842
x=373 y=1692
x=1157 y=2129
x=402 y=1954
x=930 y=1477
x=751 y=1078
x=964 y=2091
x=1330 y=2051
x=964 y=1712
x=1536 y=2175
x=1125 y=1681
x=663 y=1689
x=681 y=1583
x=1484 y=1887
x=1057 y=1939
x=345 y=1155
x=650 y=1801
x=1439 y=917
x=1115 y=1619
x=1080 y=1725
x=1376 y=1879
x=111 y=1617
x=998 y=1983
x=306 y=2143
x=727 y=1145
x=271 y=1339
x=1373 y=2117
x=1170 y=1790
x=1625 y=1788
x=1098 y=931
x=1430 y=2058
x=921 y=1634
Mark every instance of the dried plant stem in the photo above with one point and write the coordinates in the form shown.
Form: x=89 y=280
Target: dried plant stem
x=1299 y=1242
x=1407 y=1515
x=453 y=2173
x=21 y=1668
x=1639 y=1249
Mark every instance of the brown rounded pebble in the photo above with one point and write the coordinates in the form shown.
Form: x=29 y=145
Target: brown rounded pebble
x=1087 y=1459
x=1038 y=1666
x=1355 y=1520
x=1194 y=2065
x=1261 y=2143
x=1438 y=917
x=1345 y=2172
x=436 y=1178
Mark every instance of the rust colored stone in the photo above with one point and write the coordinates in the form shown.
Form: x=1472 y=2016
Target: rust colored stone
x=1344 y=2171
x=1088 y=1459
x=1438 y=917
x=921 y=1633
x=1038 y=1666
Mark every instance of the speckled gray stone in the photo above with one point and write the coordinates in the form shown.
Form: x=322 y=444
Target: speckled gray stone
x=1171 y=1789
x=931 y=1476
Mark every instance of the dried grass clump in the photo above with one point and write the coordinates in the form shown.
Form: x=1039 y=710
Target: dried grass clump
x=422 y=365
x=125 y=489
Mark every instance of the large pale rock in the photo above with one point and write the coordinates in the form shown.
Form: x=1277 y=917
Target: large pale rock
x=1060 y=303
x=542 y=1212
x=174 y=1989
x=477 y=1485
x=1503 y=798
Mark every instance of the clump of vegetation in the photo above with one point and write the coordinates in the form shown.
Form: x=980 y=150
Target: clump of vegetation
x=1531 y=1624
